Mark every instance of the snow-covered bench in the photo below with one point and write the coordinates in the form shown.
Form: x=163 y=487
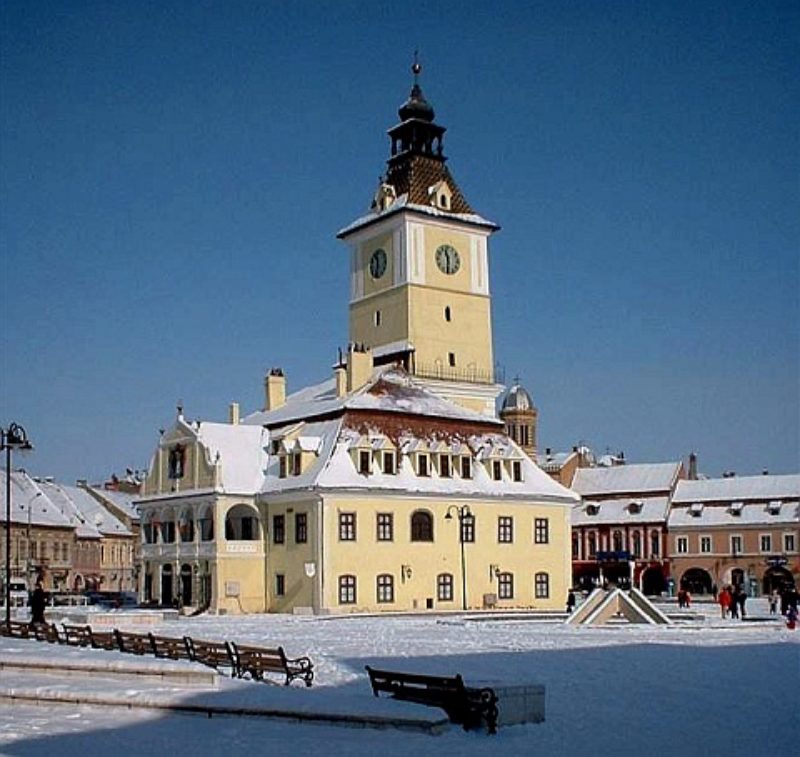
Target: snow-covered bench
x=470 y=707
x=133 y=643
x=170 y=648
x=214 y=654
x=76 y=636
x=255 y=662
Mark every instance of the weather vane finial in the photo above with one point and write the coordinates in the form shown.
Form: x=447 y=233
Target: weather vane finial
x=416 y=68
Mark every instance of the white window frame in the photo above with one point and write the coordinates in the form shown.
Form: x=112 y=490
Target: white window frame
x=681 y=545
x=710 y=539
x=787 y=535
x=734 y=550
x=761 y=538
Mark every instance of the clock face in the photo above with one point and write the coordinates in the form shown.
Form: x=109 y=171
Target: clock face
x=447 y=259
x=377 y=264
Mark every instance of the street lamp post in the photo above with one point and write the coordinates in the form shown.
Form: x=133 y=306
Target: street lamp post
x=14 y=437
x=464 y=514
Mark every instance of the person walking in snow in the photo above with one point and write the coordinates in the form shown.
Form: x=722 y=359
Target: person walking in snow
x=791 y=618
x=773 y=602
x=570 y=601
x=733 y=605
x=741 y=598
x=724 y=601
x=38 y=603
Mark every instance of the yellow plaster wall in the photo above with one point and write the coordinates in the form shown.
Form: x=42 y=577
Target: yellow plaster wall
x=366 y=557
x=366 y=249
x=462 y=279
x=393 y=305
x=198 y=472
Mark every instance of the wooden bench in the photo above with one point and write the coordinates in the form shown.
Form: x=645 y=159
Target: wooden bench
x=47 y=632
x=76 y=636
x=133 y=643
x=214 y=654
x=170 y=648
x=103 y=639
x=255 y=662
x=470 y=707
x=16 y=629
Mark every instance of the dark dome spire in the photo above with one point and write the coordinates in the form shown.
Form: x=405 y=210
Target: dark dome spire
x=416 y=106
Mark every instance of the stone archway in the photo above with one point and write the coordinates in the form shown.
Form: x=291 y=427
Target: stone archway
x=186 y=584
x=697 y=581
x=776 y=578
x=653 y=582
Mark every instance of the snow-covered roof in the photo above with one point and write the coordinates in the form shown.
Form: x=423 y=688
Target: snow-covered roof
x=123 y=500
x=28 y=500
x=723 y=514
x=553 y=461
x=738 y=488
x=87 y=515
x=241 y=451
x=390 y=389
x=402 y=203
x=626 y=479
x=619 y=510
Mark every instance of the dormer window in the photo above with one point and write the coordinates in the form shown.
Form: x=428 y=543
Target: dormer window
x=516 y=470
x=635 y=506
x=696 y=509
x=364 y=462
x=423 y=464
x=441 y=195
x=297 y=464
x=774 y=507
x=592 y=509
x=736 y=508
x=283 y=466
x=389 y=466
x=466 y=467
x=497 y=470
x=444 y=466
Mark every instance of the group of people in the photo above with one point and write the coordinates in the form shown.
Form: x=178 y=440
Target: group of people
x=732 y=601
x=684 y=599
x=788 y=599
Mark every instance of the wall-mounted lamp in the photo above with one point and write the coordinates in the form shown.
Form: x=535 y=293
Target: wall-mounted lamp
x=405 y=572
x=494 y=571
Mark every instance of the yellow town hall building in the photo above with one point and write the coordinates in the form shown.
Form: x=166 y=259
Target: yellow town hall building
x=391 y=486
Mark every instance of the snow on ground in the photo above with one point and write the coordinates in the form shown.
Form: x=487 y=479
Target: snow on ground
x=710 y=687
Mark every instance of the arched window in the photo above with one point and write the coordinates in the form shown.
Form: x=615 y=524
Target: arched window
x=654 y=544
x=421 y=526
x=149 y=530
x=205 y=524
x=241 y=524
x=177 y=461
x=617 y=541
x=637 y=544
x=186 y=526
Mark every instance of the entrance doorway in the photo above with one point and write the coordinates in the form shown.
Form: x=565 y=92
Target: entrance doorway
x=186 y=584
x=697 y=581
x=166 y=585
x=776 y=579
x=653 y=583
x=737 y=577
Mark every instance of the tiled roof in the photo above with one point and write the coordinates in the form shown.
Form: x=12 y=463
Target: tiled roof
x=415 y=174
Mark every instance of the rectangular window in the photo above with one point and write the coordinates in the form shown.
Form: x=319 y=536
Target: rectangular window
x=766 y=542
x=300 y=528
x=444 y=466
x=497 y=470
x=516 y=470
x=736 y=545
x=347 y=590
x=280 y=584
x=468 y=529
x=505 y=586
x=282 y=472
x=364 y=460
x=347 y=526
x=247 y=528
x=444 y=587
x=541 y=531
x=297 y=464
x=541 y=586
x=422 y=465
x=278 y=529
x=466 y=467
x=385 y=588
x=451 y=358
x=682 y=545
x=705 y=544
x=788 y=543
x=385 y=527
x=505 y=529
x=388 y=463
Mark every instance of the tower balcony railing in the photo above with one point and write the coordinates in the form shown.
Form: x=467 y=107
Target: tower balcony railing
x=470 y=375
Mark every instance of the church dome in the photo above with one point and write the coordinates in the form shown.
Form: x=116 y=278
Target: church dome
x=416 y=106
x=518 y=399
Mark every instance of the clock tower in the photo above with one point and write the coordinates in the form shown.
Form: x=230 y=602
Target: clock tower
x=419 y=273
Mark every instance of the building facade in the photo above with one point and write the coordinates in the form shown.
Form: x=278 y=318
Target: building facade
x=736 y=531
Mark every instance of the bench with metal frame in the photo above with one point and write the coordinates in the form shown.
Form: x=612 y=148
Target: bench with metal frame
x=170 y=648
x=255 y=662
x=470 y=707
x=133 y=643
x=214 y=654
x=76 y=636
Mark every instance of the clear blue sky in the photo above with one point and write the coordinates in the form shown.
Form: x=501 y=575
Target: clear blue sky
x=173 y=175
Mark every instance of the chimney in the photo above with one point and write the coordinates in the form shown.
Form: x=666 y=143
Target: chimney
x=340 y=374
x=359 y=366
x=233 y=414
x=274 y=389
x=692 y=475
x=765 y=472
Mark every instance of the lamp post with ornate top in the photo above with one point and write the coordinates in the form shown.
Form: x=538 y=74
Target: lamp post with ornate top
x=12 y=438
x=464 y=515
